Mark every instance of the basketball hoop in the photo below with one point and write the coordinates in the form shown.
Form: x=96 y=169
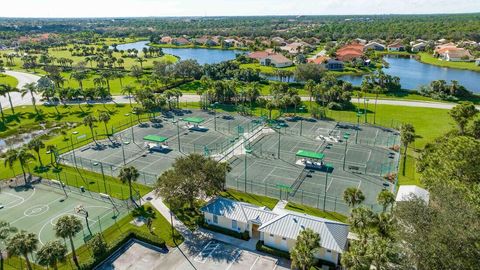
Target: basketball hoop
x=80 y=209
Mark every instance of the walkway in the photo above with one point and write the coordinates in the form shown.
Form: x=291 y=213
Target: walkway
x=17 y=99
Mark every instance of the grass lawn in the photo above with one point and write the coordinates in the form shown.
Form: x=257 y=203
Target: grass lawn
x=68 y=119
x=265 y=69
x=249 y=198
x=430 y=59
x=316 y=212
x=191 y=217
x=7 y=79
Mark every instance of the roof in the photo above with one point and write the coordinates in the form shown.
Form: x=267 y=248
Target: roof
x=155 y=138
x=195 y=120
x=319 y=60
x=405 y=193
x=278 y=59
x=238 y=211
x=310 y=154
x=395 y=45
x=258 y=55
x=458 y=53
x=374 y=43
x=350 y=51
x=333 y=235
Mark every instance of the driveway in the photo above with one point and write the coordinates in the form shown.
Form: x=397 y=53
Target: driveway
x=17 y=99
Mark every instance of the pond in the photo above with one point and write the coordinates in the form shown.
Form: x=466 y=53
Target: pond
x=413 y=74
x=202 y=55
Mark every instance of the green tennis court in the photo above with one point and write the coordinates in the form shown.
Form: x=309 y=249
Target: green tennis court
x=36 y=209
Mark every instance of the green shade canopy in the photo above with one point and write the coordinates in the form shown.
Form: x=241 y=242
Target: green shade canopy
x=310 y=154
x=155 y=138
x=195 y=120
x=284 y=187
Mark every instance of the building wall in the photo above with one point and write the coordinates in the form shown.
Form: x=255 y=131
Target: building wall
x=288 y=244
x=225 y=222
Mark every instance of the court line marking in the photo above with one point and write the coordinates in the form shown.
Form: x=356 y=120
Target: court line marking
x=256 y=260
x=234 y=259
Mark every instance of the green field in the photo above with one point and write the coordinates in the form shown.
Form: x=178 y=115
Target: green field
x=7 y=79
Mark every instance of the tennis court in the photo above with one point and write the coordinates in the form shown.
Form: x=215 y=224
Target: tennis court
x=272 y=166
x=153 y=147
x=37 y=208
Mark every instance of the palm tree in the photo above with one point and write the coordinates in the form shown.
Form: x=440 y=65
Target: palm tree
x=52 y=149
x=129 y=175
x=307 y=243
x=128 y=90
x=7 y=89
x=310 y=88
x=22 y=155
x=376 y=90
x=32 y=89
x=3 y=93
x=89 y=121
x=353 y=196
x=5 y=231
x=52 y=253
x=386 y=199
x=68 y=227
x=361 y=220
x=140 y=60
x=104 y=117
x=79 y=76
x=22 y=244
x=407 y=136
x=36 y=144
x=270 y=106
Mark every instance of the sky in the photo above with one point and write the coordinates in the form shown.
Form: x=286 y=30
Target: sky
x=160 y=8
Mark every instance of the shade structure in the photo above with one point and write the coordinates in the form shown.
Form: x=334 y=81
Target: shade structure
x=195 y=120
x=310 y=154
x=155 y=138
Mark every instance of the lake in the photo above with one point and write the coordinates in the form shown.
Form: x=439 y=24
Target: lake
x=202 y=55
x=413 y=74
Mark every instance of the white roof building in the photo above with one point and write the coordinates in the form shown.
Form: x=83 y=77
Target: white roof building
x=407 y=192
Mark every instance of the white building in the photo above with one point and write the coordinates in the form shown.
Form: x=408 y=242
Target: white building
x=276 y=60
x=374 y=46
x=277 y=230
x=407 y=192
x=419 y=47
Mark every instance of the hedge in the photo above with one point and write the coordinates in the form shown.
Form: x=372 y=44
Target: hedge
x=276 y=252
x=240 y=235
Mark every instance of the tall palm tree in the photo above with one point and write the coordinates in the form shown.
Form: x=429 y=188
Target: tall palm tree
x=386 y=199
x=129 y=175
x=32 y=89
x=7 y=89
x=302 y=254
x=310 y=88
x=3 y=93
x=79 y=76
x=5 y=231
x=36 y=144
x=104 y=117
x=52 y=149
x=128 y=90
x=22 y=244
x=377 y=90
x=353 y=196
x=407 y=136
x=52 y=253
x=89 y=121
x=68 y=227
x=362 y=220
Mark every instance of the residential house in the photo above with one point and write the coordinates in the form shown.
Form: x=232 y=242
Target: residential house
x=350 y=52
x=360 y=41
x=419 y=47
x=277 y=60
x=277 y=230
x=278 y=41
x=181 y=41
x=205 y=41
x=259 y=55
x=450 y=52
x=295 y=47
x=236 y=216
x=396 y=46
x=166 y=40
x=374 y=46
x=327 y=62
x=230 y=42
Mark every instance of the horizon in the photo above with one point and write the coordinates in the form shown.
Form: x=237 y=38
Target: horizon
x=225 y=8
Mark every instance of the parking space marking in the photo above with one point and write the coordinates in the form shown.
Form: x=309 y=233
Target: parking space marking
x=256 y=260
x=202 y=256
x=235 y=258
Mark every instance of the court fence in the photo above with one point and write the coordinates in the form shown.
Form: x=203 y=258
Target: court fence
x=318 y=200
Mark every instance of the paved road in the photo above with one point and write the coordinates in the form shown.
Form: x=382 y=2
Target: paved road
x=24 y=78
x=17 y=99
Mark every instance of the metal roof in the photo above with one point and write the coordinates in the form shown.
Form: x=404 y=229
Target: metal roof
x=333 y=235
x=238 y=211
x=195 y=120
x=155 y=138
x=310 y=154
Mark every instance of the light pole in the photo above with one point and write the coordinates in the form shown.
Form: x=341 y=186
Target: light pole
x=131 y=126
x=73 y=148
x=178 y=131
x=214 y=106
x=329 y=168
x=279 y=129
x=359 y=114
x=103 y=175
x=247 y=151
x=345 y=137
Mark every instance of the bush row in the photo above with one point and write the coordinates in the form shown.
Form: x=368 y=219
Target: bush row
x=240 y=235
x=276 y=252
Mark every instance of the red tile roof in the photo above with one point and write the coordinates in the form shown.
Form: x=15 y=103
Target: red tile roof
x=258 y=55
x=350 y=52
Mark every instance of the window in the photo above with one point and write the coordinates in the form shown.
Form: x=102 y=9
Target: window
x=284 y=238
x=271 y=235
x=329 y=251
x=215 y=219
x=234 y=224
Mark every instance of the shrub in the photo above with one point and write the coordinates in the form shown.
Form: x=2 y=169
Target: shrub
x=98 y=245
x=273 y=251
x=240 y=235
